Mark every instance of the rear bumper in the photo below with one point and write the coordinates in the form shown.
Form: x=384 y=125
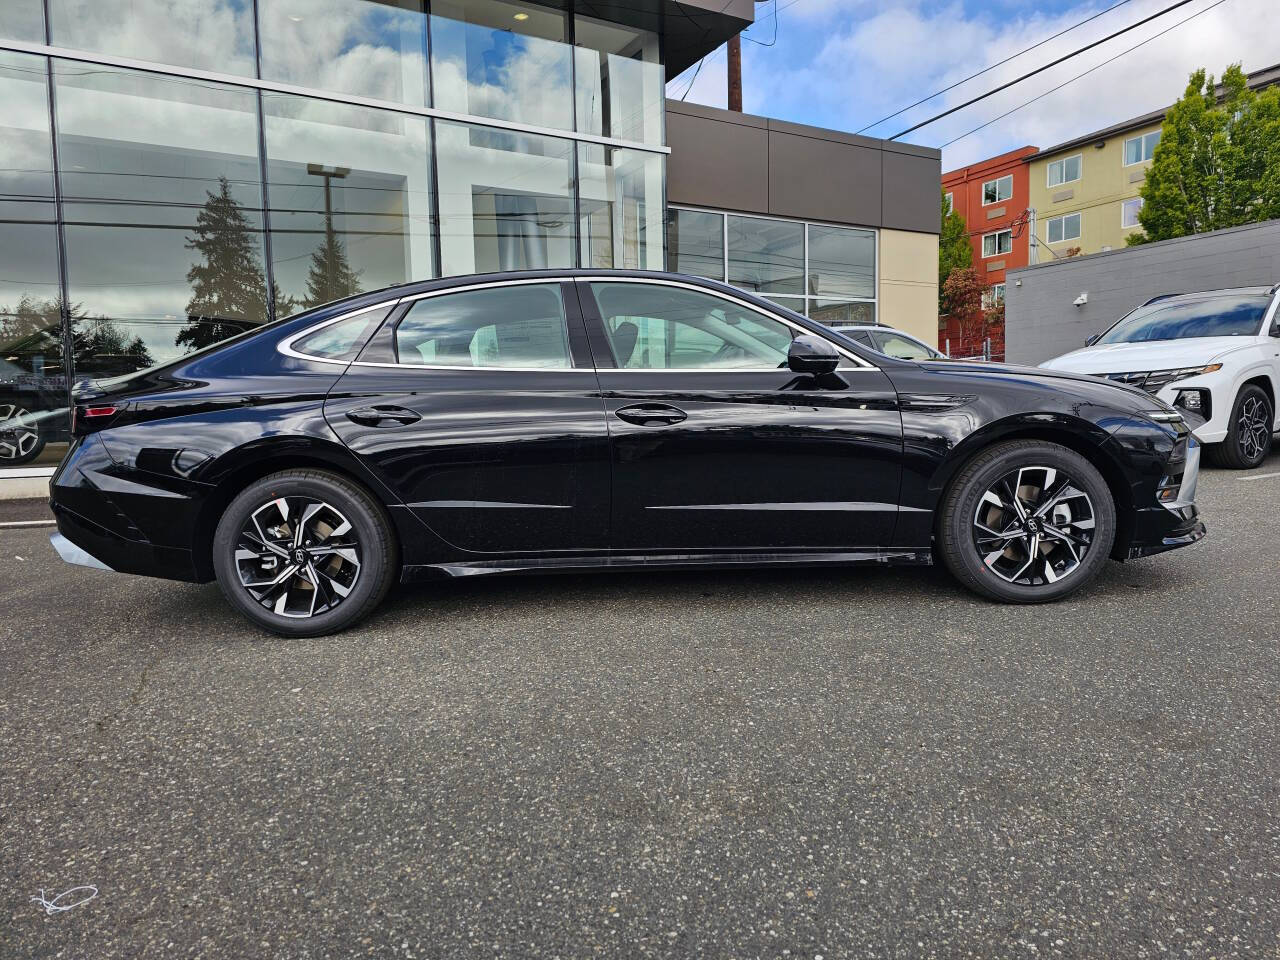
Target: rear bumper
x=84 y=542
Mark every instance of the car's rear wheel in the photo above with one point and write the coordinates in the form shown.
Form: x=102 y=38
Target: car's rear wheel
x=1027 y=522
x=1248 y=439
x=304 y=553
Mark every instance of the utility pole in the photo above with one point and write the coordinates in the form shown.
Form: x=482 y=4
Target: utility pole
x=735 y=73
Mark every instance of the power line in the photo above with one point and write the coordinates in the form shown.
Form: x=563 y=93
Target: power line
x=775 y=28
x=993 y=66
x=1038 y=70
x=1040 y=96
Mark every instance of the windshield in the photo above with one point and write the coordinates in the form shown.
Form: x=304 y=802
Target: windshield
x=1227 y=316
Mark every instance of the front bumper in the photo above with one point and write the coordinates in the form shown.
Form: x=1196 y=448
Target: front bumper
x=1171 y=523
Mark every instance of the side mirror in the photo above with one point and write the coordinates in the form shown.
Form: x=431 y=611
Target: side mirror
x=810 y=354
x=1092 y=340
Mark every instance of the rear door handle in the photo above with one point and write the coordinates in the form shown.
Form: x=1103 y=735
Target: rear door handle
x=383 y=416
x=650 y=414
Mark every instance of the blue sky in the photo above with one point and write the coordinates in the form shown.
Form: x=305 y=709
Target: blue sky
x=846 y=63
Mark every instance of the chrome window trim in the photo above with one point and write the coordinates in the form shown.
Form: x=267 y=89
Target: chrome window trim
x=285 y=346
x=847 y=354
x=291 y=89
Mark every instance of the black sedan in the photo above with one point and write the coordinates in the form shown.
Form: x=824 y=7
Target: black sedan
x=590 y=420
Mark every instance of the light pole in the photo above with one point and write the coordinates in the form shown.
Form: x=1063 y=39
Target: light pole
x=329 y=174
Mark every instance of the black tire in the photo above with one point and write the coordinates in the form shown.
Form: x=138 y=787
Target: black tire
x=1081 y=516
x=1248 y=438
x=360 y=557
x=21 y=439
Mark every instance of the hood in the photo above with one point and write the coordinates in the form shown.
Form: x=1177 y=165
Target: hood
x=1066 y=379
x=1150 y=355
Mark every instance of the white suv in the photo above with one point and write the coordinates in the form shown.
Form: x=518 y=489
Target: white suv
x=1215 y=356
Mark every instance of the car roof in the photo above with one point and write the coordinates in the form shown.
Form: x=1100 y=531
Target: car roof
x=1258 y=291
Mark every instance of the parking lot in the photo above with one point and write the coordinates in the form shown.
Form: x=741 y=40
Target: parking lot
x=867 y=763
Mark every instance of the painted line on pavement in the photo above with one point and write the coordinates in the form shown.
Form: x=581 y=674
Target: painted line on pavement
x=1260 y=476
x=28 y=523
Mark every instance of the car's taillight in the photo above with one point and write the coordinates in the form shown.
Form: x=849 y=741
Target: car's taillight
x=90 y=417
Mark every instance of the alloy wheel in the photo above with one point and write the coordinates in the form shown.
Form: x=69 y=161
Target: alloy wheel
x=298 y=556
x=1034 y=526
x=1253 y=427
x=18 y=437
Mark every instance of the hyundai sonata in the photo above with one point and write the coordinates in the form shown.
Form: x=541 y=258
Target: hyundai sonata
x=586 y=420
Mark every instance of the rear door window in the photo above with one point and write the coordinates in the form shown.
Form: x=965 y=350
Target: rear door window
x=521 y=326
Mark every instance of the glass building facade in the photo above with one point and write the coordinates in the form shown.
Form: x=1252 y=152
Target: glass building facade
x=173 y=172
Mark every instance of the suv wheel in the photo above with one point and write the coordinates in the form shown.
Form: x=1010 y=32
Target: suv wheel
x=1027 y=522
x=1248 y=432
x=20 y=437
x=304 y=553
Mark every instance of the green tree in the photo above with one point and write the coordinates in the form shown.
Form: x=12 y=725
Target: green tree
x=228 y=288
x=1218 y=161
x=330 y=276
x=954 y=250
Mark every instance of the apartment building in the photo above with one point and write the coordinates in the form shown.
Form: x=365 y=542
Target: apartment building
x=1085 y=191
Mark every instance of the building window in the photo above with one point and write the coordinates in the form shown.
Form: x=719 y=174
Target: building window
x=620 y=206
x=504 y=59
x=619 y=81
x=22 y=20
x=695 y=243
x=992 y=296
x=366 y=48
x=1061 y=229
x=1129 y=210
x=350 y=191
x=1140 y=149
x=1066 y=170
x=826 y=272
x=217 y=35
x=949 y=204
x=994 y=244
x=766 y=256
x=997 y=191
x=162 y=201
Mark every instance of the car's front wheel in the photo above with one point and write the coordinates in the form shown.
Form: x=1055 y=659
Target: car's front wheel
x=1026 y=522
x=1248 y=439
x=21 y=440
x=304 y=553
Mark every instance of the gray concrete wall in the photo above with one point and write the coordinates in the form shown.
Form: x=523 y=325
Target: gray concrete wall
x=1041 y=322
x=749 y=164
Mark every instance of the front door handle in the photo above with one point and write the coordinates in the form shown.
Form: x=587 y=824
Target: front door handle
x=383 y=416
x=650 y=414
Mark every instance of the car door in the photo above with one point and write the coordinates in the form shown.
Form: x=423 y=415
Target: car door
x=479 y=407
x=717 y=445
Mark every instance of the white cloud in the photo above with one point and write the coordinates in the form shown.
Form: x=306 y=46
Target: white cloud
x=846 y=63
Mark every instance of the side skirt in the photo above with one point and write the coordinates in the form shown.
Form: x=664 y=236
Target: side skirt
x=631 y=562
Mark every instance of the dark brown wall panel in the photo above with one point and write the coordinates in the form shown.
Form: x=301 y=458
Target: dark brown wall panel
x=717 y=164
x=823 y=180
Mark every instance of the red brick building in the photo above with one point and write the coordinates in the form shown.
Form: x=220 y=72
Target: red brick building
x=993 y=196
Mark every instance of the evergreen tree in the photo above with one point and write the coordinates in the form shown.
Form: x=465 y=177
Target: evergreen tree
x=330 y=276
x=954 y=250
x=1218 y=161
x=229 y=286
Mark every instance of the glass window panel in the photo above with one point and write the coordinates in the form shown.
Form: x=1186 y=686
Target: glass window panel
x=695 y=243
x=1133 y=150
x=22 y=20
x=206 y=34
x=1129 y=211
x=26 y=146
x=369 y=48
x=163 y=211
x=350 y=194
x=837 y=314
x=842 y=262
x=766 y=256
x=341 y=340
x=506 y=200
x=620 y=202
x=33 y=386
x=655 y=326
x=505 y=59
x=894 y=344
x=515 y=326
x=995 y=191
x=794 y=304
x=619 y=81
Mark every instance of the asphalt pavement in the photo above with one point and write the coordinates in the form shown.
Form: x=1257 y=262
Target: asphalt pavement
x=866 y=763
